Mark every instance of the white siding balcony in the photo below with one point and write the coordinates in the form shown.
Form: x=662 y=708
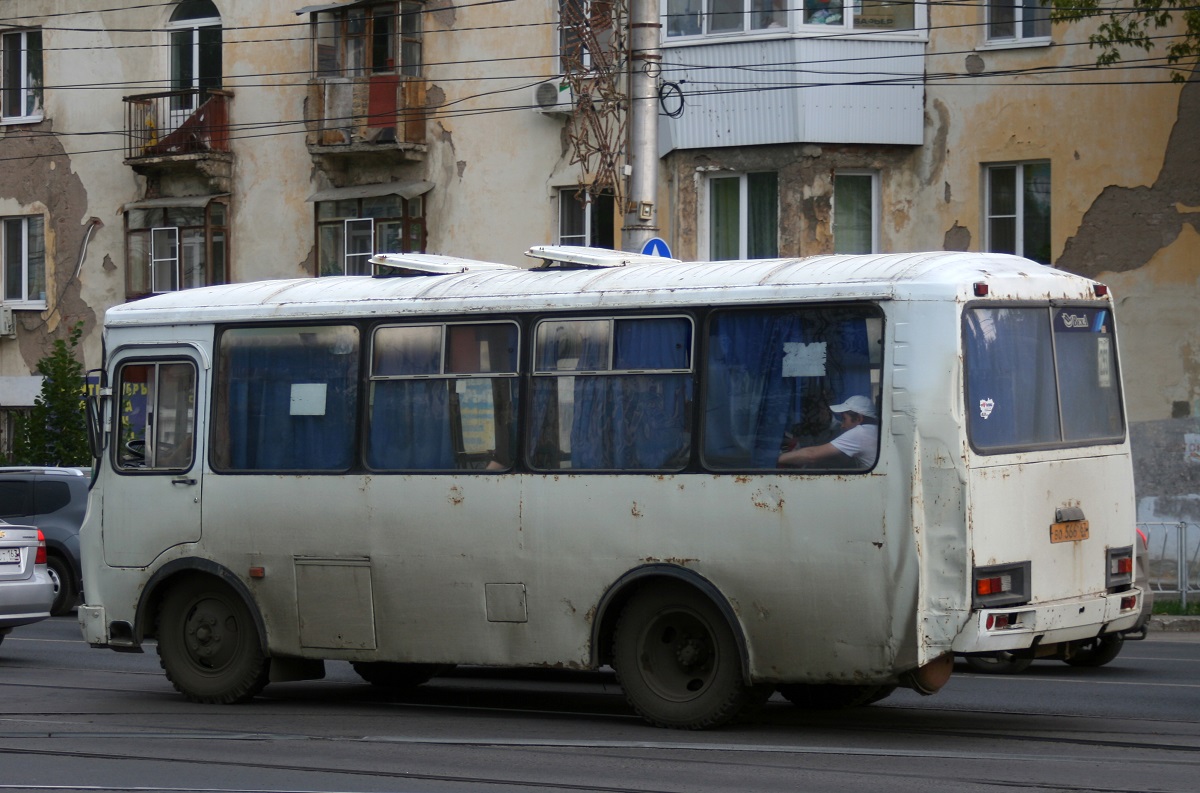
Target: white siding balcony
x=793 y=90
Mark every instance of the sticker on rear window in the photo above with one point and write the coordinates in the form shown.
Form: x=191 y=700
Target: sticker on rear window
x=985 y=407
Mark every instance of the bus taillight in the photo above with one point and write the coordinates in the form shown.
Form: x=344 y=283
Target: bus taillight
x=1119 y=572
x=993 y=586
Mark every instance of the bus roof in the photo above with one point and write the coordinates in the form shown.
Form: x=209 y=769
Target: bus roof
x=914 y=276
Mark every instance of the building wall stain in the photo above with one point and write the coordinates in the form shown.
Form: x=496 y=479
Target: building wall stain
x=32 y=163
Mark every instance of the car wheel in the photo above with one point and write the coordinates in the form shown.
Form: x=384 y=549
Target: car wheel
x=1095 y=652
x=832 y=697
x=66 y=594
x=208 y=643
x=998 y=664
x=678 y=662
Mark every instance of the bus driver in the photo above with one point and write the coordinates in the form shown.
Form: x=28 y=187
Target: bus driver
x=858 y=441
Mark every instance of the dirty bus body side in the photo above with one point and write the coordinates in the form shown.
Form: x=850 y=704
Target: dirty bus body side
x=579 y=465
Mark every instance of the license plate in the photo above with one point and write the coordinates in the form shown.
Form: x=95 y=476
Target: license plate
x=1074 y=531
x=10 y=555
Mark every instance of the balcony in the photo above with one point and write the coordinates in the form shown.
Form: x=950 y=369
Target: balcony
x=180 y=130
x=381 y=117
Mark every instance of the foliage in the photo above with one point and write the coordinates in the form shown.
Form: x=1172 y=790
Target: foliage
x=1141 y=24
x=55 y=430
x=1175 y=608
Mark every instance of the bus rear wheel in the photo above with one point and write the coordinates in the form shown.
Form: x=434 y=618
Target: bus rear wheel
x=208 y=644
x=1096 y=652
x=677 y=660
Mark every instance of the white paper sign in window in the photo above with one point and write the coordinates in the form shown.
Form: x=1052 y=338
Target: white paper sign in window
x=308 y=399
x=803 y=360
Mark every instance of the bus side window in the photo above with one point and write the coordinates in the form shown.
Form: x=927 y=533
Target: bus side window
x=612 y=394
x=771 y=376
x=156 y=415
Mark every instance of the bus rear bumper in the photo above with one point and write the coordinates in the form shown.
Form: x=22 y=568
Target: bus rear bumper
x=1021 y=627
x=97 y=632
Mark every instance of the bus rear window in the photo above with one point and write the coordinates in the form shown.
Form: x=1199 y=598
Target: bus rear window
x=1041 y=377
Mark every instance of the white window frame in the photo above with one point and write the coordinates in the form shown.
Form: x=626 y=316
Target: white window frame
x=1018 y=38
x=183 y=26
x=875 y=203
x=349 y=232
x=25 y=301
x=705 y=201
x=167 y=260
x=1018 y=201
x=24 y=90
x=568 y=198
x=795 y=22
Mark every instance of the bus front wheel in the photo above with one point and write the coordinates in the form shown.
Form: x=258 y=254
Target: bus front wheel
x=208 y=644
x=678 y=662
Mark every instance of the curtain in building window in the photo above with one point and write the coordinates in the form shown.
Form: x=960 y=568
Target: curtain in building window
x=853 y=224
x=763 y=216
x=724 y=218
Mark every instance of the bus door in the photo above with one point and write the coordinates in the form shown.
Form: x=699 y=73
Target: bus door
x=155 y=454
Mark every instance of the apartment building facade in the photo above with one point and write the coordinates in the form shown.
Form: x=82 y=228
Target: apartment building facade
x=188 y=143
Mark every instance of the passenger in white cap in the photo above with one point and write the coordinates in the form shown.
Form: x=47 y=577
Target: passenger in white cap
x=857 y=445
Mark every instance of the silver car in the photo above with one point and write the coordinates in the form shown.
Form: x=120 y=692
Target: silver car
x=26 y=588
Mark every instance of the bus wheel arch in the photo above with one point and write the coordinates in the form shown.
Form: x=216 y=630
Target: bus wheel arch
x=211 y=636
x=678 y=649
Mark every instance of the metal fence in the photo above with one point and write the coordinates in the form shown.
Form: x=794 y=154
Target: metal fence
x=1173 y=558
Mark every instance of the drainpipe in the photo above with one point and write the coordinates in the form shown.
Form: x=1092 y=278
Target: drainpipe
x=645 y=65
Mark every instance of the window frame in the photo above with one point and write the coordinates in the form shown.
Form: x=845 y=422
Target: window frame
x=592 y=210
x=350 y=53
x=744 y=236
x=24 y=300
x=1017 y=38
x=156 y=365
x=140 y=256
x=756 y=18
x=26 y=86
x=875 y=199
x=1021 y=227
x=411 y=220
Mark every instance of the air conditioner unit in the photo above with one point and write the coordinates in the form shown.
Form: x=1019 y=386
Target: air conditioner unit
x=553 y=97
x=7 y=326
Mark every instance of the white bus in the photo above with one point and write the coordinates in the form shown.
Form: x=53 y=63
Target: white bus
x=600 y=461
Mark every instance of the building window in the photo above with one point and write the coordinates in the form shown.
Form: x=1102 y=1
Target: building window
x=720 y=17
x=585 y=219
x=743 y=216
x=350 y=231
x=1017 y=20
x=175 y=247
x=21 y=75
x=195 y=36
x=23 y=242
x=1018 y=210
x=855 y=213
x=365 y=39
x=586 y=30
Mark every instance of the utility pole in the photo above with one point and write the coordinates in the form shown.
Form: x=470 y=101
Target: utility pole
x=645 y=66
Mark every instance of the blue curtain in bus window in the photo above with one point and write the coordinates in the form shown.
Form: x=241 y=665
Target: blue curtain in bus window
x=1089 y=388
x=291 y=398
x=410 y=426
x=1011 y=397
x=768 y=371
x=636 y=421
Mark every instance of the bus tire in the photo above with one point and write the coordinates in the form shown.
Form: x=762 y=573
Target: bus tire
x=397 y=677
x=208 y=644
x=1001 y=663
x=1095 y=652
x=821 y=696
x=677 y=660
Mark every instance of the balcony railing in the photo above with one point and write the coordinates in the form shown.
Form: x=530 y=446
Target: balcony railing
x=177 y=122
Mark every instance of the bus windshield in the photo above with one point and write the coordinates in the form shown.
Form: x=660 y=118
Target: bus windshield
x=1041 y=377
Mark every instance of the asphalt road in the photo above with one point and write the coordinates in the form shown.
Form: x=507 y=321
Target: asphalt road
x=73 y=719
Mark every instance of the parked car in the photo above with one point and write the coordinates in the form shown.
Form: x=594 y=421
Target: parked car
x=53 y=500
x=1085 y=652
x=26 y=590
